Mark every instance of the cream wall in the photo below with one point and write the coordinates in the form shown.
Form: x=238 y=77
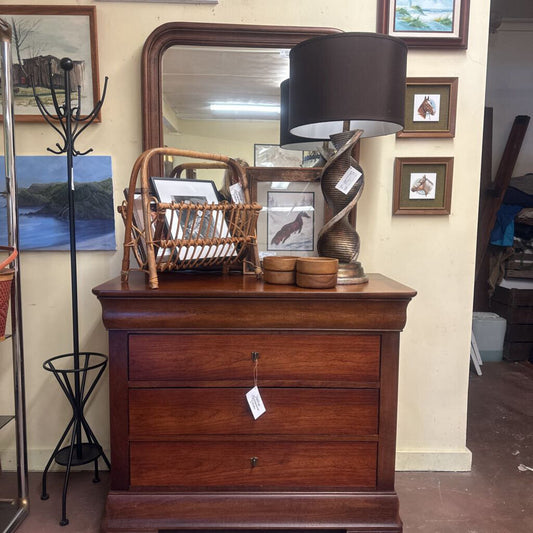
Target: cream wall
x=433 y=254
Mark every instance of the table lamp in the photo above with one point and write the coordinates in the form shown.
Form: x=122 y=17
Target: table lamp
x=346 y=86
x=287 y=140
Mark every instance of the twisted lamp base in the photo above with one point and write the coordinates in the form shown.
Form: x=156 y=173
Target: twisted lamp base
x=342 y=183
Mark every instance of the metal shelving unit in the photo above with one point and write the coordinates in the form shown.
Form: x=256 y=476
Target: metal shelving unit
x=15 y=509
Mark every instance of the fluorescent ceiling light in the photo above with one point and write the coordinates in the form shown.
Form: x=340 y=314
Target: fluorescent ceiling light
x=245 y=108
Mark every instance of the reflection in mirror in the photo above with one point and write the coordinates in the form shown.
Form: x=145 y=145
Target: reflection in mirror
x=186 y=64
x=222 y=100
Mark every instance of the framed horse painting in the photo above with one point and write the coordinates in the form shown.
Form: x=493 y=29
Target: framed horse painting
x=425 y=23
x=422 y=185
x=430 y=107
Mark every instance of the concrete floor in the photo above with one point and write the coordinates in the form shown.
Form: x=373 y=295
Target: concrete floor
x=495 y=497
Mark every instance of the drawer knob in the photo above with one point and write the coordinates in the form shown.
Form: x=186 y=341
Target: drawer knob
x=255 y=356
x=253 y=461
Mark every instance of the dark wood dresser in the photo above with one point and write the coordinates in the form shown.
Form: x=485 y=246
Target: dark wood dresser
x=186 y=452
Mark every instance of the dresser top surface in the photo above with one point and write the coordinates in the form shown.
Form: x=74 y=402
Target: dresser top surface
x=216 y=284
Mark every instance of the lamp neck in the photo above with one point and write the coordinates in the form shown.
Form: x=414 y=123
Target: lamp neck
x=340 y=139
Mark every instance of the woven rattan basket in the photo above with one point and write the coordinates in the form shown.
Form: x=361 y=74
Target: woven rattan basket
x=6 y=278
x=148 y=236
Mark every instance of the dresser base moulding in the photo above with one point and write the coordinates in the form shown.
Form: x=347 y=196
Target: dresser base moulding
x=353 y=512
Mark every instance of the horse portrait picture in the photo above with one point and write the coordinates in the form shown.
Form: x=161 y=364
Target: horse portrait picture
x=290 y=221
x=422 y=186
x=426 y=108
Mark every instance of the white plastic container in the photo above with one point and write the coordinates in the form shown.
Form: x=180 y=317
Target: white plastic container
x=489 y=331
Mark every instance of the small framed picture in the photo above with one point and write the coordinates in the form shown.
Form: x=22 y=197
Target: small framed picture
x=422 y=185
x=290 y=221
x=272 y=155
x=192 y=224
x=38 y=47
x=425 y=23
x=430 y=107
x=293 y=209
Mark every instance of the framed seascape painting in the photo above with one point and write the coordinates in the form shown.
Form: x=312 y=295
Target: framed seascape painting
x=43 y=203
x=422 y=185
x=426 y=23
x=42 y=36
x=293 y=209
x=430 y=107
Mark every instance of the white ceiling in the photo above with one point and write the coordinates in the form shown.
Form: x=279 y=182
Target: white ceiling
x=195 y=76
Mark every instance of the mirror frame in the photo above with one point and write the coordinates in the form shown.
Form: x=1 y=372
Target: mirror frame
x=201 y=34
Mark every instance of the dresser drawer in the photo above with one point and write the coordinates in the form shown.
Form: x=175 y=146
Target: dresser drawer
x=164 y=413
x=287 y=357
x=312 y=465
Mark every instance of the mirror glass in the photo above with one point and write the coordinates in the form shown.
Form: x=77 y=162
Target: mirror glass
x=223 y=100
x=185 y=65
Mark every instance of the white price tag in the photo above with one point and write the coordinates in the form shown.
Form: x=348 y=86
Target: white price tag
x=255 y=402
x=350 y=178
x=237 y=194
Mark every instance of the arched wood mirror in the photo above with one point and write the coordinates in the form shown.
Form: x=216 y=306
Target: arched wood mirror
x=208 y=39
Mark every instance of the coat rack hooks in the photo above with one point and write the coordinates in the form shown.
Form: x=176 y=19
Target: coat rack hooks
x=78 y=372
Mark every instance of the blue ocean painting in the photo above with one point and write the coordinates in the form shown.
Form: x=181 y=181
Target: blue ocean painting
x=424 y=15
x=42 y=196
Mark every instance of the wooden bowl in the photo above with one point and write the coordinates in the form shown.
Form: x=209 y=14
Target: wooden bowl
x=281 y=263
x=278 y=277
x=316 y=281
x=317 y=265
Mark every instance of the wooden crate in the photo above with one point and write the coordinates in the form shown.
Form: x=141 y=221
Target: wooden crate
x=516 y=306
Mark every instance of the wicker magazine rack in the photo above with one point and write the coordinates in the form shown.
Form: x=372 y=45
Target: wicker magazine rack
x=164 y=236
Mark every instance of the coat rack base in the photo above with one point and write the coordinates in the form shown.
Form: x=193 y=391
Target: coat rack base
x=77 y=375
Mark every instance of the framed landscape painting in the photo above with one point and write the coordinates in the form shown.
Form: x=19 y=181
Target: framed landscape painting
x=425 y=23
x=42 y=36
x=43 y=203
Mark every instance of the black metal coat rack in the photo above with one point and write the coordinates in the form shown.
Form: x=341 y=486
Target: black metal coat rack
x=78 y=372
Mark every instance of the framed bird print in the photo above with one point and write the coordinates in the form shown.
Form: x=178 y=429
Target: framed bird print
x=293 y=209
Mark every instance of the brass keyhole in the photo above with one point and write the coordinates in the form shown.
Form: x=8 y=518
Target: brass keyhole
x=255 y=356
x=253 y=461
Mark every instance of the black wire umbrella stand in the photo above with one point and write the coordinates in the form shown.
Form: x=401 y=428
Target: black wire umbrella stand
x=78 y=372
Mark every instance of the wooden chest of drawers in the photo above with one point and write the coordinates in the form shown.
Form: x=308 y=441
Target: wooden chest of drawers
x=187 y=453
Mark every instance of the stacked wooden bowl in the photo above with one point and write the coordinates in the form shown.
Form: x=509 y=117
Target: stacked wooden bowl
x=308 y=272
x=316 y=272
x=279 y=270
